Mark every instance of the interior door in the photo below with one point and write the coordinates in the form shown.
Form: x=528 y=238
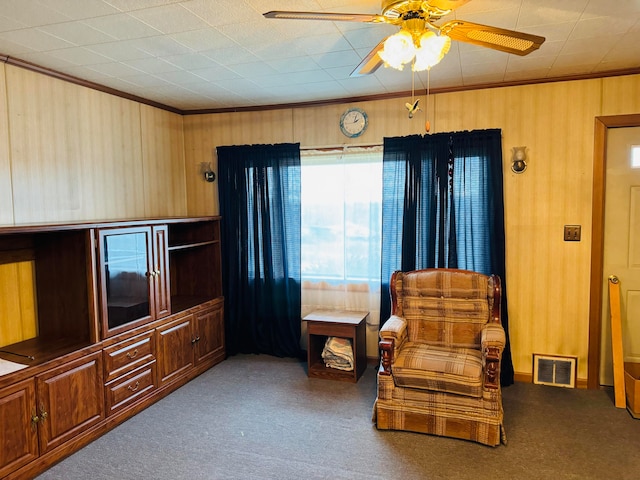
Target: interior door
x=622 y=245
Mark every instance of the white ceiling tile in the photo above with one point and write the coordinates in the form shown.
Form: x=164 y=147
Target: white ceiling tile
x=8 y=24
x=13 y=49
x=230 y=56
x=80 y=9
x=122 y=26
x=223 y=12
x=294 y=64
x=170 y=19
x=31 y=13
x=115 y=69
x=180 y=77
x=237 y=85
x=601 y=26
x=34 y=39
x=151 y=65
x=79 y=56
x=369 y=37
x=204 y=39
x=255 y=69
x=77 y=33
x=46 y=60
x=598 y=49
x=119 y=51
x=190 y=61
x=338 y=59
x=144 y=80
x=250 y=34
x=161 y=46
x=131 y=5
x=318 y=44
x=620 y=9
x=215 y=73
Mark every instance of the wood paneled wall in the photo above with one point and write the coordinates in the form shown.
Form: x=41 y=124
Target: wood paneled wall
x=6 y=196
x=547 y=278
x=78 y=154
x=70 y=153
x=164 y=178
x=18 y=315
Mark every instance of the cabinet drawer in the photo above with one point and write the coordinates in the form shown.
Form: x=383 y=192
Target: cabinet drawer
x=128 y=355
x=130 y=388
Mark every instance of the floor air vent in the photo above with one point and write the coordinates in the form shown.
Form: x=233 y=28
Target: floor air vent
x=555 y=370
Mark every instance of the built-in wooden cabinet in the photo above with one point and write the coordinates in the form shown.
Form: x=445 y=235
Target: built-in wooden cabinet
x=134 y=281
x=69 y=400
x=130 y=370
x=190 y=340
x=18 y=432
x=107 y=318
x=41 y=413
x=209 y=334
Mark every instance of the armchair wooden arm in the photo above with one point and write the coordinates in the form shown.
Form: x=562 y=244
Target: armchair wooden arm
x=493 y=342
x=393 y=335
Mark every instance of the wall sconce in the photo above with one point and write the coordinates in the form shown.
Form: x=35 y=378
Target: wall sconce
x=519 y=159
x=207 y=172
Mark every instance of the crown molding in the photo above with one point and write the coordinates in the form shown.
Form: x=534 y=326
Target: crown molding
x=335 y=101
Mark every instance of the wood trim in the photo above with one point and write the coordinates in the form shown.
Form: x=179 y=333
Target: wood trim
x=16 y=62
x=336 y=101
x=602 y=125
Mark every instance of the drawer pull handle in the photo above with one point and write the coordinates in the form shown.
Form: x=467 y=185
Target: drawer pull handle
x=133 y=388
x=132 y=355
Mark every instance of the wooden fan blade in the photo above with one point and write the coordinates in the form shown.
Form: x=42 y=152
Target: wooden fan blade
x=370 y=63
x=501 y=39
x=334 y=17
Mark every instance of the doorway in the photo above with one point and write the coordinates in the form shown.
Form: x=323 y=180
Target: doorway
x=599 y=295
x=621 y=253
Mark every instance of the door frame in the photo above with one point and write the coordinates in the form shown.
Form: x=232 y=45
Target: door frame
x=602 y=126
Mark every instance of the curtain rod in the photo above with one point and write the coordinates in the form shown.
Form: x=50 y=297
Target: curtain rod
x=342 y=147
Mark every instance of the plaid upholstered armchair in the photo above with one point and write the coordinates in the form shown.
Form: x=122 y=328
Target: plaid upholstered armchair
x=441 y=351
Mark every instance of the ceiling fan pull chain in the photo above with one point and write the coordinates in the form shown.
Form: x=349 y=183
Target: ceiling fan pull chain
x=427 y=124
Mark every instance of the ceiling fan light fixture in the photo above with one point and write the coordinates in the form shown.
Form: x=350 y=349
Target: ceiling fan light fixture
x=432 y=49
x=398 y=50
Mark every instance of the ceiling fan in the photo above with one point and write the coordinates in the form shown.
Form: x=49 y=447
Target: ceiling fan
x=419 y=37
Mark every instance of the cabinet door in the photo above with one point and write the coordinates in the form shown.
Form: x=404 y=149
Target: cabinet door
x=161 y=272
x=18 y=433
x=175 y=349
x=70 y=400
x=126 y=273
x=209 y=334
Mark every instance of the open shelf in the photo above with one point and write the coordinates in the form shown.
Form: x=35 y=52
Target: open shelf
x=38 y=350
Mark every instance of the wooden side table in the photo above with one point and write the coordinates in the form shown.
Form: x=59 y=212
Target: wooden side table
x=322 y=324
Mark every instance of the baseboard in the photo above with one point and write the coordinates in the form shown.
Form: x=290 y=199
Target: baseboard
x=528 y=378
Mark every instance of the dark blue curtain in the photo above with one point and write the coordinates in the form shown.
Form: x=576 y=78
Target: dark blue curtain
x=259 y=188
x=443 y=206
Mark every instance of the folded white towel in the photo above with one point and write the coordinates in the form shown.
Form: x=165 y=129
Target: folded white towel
x=338 y=354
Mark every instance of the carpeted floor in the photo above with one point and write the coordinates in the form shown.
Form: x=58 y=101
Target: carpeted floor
x=260 y=417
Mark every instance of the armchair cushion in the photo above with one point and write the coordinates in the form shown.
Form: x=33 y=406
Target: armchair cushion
x=439 y=369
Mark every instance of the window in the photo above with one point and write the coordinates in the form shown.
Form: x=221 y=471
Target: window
x=341 y=215
x=635 y=156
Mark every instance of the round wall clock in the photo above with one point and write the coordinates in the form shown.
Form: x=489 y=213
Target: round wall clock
x=353 y=122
